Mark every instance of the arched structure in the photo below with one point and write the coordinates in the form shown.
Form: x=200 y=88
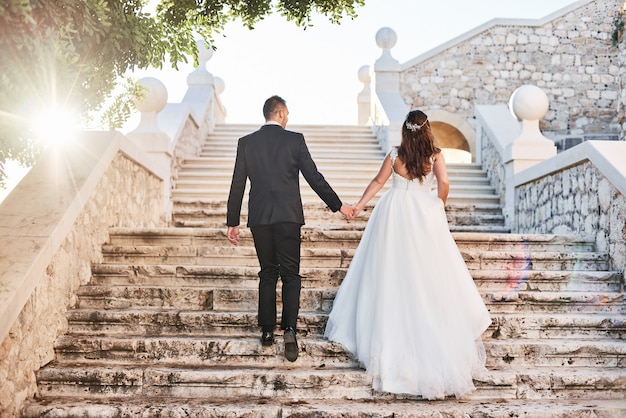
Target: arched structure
x=454 y=135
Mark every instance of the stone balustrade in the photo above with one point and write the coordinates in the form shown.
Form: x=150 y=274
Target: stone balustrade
x=579 y=191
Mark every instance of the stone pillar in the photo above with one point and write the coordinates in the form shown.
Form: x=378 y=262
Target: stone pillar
x=529 y=104
x=364 y=99
x=200 y=94
x=387 y=88
x=150 y=138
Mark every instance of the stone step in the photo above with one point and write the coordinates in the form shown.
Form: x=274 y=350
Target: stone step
x=359 y=179
x=315 y=212
x=233 y=299
x=204 y=382
x=315 y=352
x=294 y=382
x=314 y=237
x=246 y=277
x=326 y=166
x=327 y=408
x=350 y=186
x=199 y=351
x=457 y=222
x=525 y=325
x=203 y=195
x=229 y=255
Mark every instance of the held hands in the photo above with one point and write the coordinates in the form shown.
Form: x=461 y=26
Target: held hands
x=349 y=212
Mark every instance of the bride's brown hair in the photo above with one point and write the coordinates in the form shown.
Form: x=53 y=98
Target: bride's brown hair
x=418 y=145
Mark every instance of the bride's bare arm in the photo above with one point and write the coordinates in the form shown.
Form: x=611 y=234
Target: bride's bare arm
x=375 y=185
x=443 y=184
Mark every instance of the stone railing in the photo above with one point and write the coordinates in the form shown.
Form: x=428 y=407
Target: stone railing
x=53 y=224
x=579 y=191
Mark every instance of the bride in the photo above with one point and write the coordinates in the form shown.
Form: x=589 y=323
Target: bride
x=408 y=308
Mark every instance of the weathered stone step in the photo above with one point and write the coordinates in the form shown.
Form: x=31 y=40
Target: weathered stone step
x=539 y=326
x=164 y=275
x=348 y=233
x=461 y=222
x=230 y=299
x=328 y=408
x=233 y=299
x=196 y=215
x=198 y=351
x=554 y=302
x=327 y=166
x=358 y=179
x=306 y=383
x=205 y=382
x=503 y=354
x=316 y=352
x=229 y=255
x=348 y=194
x=348 y=186
x=488 y=227
x=523 y=325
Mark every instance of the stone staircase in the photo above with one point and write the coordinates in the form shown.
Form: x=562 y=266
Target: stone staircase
x=167 y=325
x=348 y=157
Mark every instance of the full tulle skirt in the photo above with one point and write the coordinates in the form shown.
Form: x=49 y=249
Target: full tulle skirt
x=408 y=308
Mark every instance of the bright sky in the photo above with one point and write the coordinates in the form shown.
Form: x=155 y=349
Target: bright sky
x=316 y=70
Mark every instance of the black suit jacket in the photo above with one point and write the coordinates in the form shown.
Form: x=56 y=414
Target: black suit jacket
x=272 y=159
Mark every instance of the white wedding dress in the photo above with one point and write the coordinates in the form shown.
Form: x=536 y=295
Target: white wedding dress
x=408 y=308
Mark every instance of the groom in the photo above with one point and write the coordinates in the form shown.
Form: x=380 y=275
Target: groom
x=272 y=159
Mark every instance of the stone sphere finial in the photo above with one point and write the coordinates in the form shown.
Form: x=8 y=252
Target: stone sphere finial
x=154 y=96
x=364 y=74
x=386 y=38
x=219 y=85
x=529 y=102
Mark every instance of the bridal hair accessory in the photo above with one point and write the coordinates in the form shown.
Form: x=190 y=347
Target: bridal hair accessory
x=414 y=126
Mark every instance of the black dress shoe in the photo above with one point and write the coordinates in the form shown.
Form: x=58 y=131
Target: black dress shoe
x=267 y=338
x=291 y=344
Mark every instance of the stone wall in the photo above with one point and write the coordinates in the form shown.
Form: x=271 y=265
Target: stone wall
x=493 y=164
x=621 y=104
x=570 y=58
x=29 y=345
x=576 y=200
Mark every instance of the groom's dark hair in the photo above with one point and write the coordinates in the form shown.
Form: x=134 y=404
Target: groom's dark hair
x=271 y=104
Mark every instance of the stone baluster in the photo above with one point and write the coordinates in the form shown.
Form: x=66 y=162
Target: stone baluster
x=529 y=104
x=149 y=137
x=364 y=99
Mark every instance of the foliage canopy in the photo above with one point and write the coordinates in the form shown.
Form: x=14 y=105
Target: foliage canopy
x=69 y=54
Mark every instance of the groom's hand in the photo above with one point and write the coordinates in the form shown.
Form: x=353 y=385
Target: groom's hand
x=347 y=211
x=233 y=234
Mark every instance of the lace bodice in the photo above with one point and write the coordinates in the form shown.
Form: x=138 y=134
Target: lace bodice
x=402 y=182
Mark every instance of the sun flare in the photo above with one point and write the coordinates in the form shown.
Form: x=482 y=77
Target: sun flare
x=55 y=127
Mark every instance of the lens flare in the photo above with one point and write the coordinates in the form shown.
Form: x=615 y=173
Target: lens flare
x=55 y=127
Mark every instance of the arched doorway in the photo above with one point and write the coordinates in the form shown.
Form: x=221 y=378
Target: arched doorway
x=455 y=147
x=453 y=135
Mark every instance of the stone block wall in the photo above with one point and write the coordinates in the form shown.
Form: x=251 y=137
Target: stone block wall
x=570 y=58
x=621 y=104
x=578 y=200
x=126 y=195
x=493 y=164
